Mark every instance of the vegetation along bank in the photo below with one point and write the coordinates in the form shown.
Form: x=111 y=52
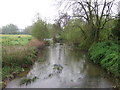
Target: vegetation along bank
x=107 y=55
x=18 y=53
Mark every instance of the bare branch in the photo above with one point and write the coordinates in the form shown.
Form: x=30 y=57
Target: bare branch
x=103 y=10
x=84 y=10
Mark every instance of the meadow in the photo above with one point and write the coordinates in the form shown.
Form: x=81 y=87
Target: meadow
x=17 y=55
x=7 y=40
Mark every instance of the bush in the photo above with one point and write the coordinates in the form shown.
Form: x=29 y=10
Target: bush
x=116 y=29
x=107 y=55
x=39 y=30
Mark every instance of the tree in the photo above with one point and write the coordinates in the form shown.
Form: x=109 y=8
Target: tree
x=72 y=33
x=62 y=20
x=116 y=30
x=51 y=30
x=96 y=14
x=39 y=29
x=27 y=30
x=10 y=29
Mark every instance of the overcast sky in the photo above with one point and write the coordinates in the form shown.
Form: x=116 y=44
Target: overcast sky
x=22 y=12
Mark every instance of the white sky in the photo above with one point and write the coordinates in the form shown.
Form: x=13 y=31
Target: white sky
x=22 y=12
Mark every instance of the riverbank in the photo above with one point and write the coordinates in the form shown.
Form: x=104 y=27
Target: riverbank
x=17 y=58
x=106 y=54
x=66 y=67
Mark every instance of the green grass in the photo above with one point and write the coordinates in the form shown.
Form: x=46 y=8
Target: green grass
x=107 y=54
x=16 y=54
x=9 y=40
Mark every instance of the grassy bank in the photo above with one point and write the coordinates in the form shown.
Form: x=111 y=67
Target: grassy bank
x=17 y=55
x=16 y=59
x=107 y=55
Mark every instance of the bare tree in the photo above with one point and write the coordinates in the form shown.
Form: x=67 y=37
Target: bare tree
x=62 y=19
x=96 y=13
x=118 y=7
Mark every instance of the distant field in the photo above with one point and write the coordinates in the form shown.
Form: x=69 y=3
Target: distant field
x=8 y=40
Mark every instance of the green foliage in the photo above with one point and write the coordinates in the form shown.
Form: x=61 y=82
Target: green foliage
x=116 y=30
x=6 y=71
x=76 y=32
x=54 y=32
x=85 y=34
x=107 y=55
x=28 y=81
x=51 y=30
x=106 y=33
x=72 y=32
x=16 y=58
x=39 y=30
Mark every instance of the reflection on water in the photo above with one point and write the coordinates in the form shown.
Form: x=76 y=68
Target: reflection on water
x=77 y=71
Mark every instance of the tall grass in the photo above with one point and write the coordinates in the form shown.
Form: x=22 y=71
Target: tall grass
x=16 y=58
x=17 y=55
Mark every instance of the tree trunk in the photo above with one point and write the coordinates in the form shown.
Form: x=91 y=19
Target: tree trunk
x=97 y=35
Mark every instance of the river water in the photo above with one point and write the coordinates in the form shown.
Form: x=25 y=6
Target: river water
x=75 y=71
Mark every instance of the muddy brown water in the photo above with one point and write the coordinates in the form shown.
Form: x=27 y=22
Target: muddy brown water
x=76 y=72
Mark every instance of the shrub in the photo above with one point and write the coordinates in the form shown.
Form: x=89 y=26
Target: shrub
x=107 y=55
x=39 y=30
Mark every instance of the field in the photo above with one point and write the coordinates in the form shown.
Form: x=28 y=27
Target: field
x=17 y=55
x=8 y=40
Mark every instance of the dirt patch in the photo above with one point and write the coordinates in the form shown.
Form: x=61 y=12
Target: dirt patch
x=36 y=43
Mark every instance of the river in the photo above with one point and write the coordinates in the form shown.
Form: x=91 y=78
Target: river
x=75 y=70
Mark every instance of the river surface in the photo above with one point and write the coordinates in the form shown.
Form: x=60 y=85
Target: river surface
x=75 y=71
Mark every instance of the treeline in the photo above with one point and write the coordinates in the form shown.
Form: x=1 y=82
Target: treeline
x=77 y=31
x=13 y=29
x=91 y=22
x=42 y=30
x=39 y=29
